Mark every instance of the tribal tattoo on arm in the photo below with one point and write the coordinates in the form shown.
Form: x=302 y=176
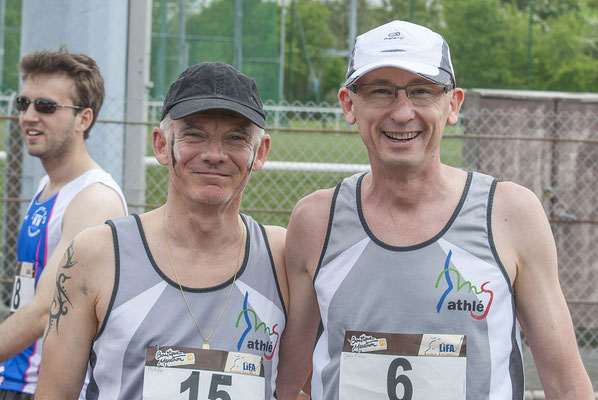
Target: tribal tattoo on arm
x=61 y=302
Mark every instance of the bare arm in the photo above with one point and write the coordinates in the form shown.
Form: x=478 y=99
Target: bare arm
x=305 y=238
x=276 y=238
x=92 y=206
x=525 y=243
x=82 y=291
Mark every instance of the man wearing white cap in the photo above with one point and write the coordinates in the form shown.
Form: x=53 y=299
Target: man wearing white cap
x=403 y=279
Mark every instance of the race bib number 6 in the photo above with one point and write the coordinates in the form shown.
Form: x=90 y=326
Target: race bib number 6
x=402 y=366
x=196 y=374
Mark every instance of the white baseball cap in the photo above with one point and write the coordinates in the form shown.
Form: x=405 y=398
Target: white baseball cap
x=403 y=45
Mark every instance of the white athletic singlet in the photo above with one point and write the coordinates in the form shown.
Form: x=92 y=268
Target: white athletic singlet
x=40 y=232
x=453 y=284
x=147 y=309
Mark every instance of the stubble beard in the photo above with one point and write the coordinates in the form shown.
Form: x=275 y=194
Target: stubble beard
x=57 y=146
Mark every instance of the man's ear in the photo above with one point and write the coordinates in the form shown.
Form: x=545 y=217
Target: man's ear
x=84 y=119
x=456 y=102
x=346 y=103
x=160 y=142
x=262 y=152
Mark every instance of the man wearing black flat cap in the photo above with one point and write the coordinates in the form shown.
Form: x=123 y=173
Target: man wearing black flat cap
x=188 y=299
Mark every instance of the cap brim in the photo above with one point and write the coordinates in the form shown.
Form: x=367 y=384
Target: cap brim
x=431 y=73
x=188 y=107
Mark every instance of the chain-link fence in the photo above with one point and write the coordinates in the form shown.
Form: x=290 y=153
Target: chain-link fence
x=551 y=149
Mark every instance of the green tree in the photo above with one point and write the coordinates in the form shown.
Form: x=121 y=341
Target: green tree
x=308 y=38
x=209 y=36
x=545 y=9
x=488 y=43
x=165 y=47
x=566 y=53
x=12 y=47
x=427 y=13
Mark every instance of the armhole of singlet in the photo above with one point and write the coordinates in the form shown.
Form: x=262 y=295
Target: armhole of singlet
x=330 y=218
x=267 y=243
x=116 y=278
x=491 y=236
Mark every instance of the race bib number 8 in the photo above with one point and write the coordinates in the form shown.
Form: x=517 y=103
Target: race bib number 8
x=23 y=289
x=402 y=367
x=197 y=374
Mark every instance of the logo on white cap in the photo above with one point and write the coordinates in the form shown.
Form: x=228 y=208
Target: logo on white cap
x=403 y=45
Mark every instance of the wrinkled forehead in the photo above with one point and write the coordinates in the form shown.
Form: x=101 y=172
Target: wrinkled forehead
x=222 y=120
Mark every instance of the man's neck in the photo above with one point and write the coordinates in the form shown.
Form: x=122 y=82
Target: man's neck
x=64 y=170
x=421 y=206
x=407 y=187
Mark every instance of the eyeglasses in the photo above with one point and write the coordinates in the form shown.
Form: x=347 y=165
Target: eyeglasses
x=43 y=106
x=420 y=94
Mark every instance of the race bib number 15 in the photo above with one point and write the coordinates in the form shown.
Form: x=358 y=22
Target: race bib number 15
x=196 y=374
x=402 y=366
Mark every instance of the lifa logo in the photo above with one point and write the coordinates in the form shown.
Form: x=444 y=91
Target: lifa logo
x=253 y=324
x=477 y=309
x=441 y=345
x=446 y=348
x=38 y=218
x=249 y=367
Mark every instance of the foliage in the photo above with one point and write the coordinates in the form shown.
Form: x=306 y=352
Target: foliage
x=489 y=51
x=566 y=54
x=309 y=34
x=491 y=43
x=545 y=9
x=12 y=39
x=209 y=36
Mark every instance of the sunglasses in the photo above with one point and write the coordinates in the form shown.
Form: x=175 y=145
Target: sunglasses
x=43 y=106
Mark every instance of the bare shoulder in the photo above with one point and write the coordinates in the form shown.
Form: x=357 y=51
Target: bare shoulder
x=313 y=210
x=276 y=239
x=93 y=252
x=94 y=249
x=307 y=230
x=99 y=198
x=276 y=235
x=93 y=240
x=515 y=197
x=517 y=207
x=520 y=226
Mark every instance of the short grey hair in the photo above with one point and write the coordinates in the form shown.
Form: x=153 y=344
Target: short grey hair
x=166 y=126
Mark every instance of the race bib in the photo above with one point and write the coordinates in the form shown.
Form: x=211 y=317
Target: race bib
x=185 y=373
x=402 y=366
x=23 y=288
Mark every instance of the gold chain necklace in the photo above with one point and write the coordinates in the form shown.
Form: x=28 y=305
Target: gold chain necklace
x=205 y=339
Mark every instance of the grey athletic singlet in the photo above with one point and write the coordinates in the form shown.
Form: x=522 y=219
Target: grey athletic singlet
x=147 y=309
x=363 y=284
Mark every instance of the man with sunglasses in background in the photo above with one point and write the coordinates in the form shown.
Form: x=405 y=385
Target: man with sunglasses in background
x=59 y=102
x=403 y=279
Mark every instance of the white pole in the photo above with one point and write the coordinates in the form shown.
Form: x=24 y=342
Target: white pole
x=352 y=27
